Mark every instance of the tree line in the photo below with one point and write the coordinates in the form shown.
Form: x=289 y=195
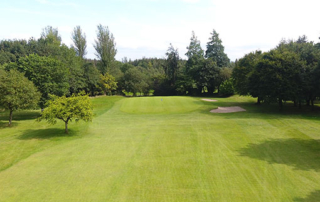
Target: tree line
x=289 y=72
x=68 y=71
x=54 y=69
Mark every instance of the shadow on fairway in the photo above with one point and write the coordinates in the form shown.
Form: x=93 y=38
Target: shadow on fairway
x=298 y=153
x=19 y=115
x=4 y=124
x=45 y=134
x=312 y=197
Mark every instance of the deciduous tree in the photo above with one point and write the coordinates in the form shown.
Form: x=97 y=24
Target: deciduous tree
x=17 y=92
x=49 y=75
x=79 y=42
x=105 y=47
x=67 y=109
x=107 y=83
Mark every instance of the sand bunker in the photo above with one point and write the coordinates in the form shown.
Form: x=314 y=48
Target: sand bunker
x=227 y=110
x=209 y=100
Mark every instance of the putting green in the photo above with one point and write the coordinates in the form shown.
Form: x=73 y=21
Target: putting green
x=187 y=155
x=160 y=105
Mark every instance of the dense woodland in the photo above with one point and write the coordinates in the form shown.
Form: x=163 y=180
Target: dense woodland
x=289 y=72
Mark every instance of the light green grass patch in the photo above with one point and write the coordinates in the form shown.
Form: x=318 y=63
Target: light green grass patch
x=160 y=105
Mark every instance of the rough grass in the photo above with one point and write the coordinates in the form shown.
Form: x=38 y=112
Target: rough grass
x=144 y=149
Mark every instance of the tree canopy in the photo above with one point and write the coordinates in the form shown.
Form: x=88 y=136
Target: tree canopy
x=215 y=50
x=79 y=42
x=67 y=109
x=49 y=75
x=105 y=47
x=17 y=92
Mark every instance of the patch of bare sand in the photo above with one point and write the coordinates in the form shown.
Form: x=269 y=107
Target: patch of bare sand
x=228 y=110
x=209 y=100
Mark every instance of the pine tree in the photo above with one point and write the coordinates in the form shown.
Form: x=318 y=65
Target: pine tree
x=195 y=52
x=215 y=50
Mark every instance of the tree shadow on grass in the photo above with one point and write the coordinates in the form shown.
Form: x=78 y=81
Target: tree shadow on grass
x=45 y=134
x=312 y=197
x=298 y=153
x=19 y=115
x=5 y=124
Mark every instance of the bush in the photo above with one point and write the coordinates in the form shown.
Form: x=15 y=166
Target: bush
x=226 y=88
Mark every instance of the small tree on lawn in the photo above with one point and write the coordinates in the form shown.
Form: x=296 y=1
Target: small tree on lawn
x=17 y=92
x=68 y=109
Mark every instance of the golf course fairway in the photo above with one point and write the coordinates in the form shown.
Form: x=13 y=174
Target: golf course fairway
x=163 y=149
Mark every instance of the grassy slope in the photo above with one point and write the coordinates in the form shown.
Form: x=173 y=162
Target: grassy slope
x=144 y=149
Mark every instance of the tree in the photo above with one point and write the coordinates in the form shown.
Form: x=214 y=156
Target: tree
x=107 y=83
x=67 y=109
x=309 y=55
x=243 y=70
x=172 y=64
x=215 y=50
x=92 y=78
x=79 y=41
x=51 y=35
x=49 y=75
x=17 y=92
x=226 y=88
x=105 y=47
x=134 y=80
x=194 y=53
x=278 y=74
x=208 y=73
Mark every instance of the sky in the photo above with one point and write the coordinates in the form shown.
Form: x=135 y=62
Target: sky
x=145 y=28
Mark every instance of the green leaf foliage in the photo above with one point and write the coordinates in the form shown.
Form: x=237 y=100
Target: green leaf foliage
x=107 y=83
x=49 y=75
x=80 y=42
x=68 y=109
x=105 y=47
x=172 y=67
x=17 y=92
x=215 y=50
x=194 y=53
x=226 y=88
x=243 y=69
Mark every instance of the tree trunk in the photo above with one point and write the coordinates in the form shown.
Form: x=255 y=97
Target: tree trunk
x=308 y=102
x=10 y=117
x=210 y=90
x=295 y=103
x=66 y=128
x=259 y=101
x=312 y=103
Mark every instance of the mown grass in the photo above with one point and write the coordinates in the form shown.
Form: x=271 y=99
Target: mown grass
x=145 y=149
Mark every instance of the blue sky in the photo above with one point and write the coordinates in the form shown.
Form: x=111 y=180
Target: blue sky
x=145 y=28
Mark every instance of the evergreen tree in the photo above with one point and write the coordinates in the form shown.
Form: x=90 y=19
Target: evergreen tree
x=215 y=50
x=194 y=53
x=172 y=64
